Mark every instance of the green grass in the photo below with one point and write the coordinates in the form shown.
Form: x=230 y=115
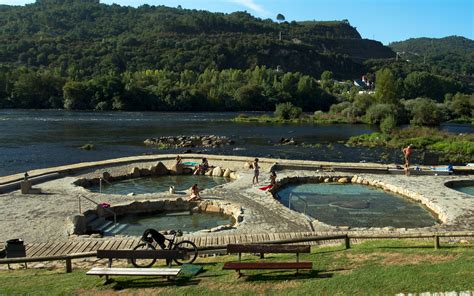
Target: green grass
x=323 y=118
x=372 y=268
x=453 y=148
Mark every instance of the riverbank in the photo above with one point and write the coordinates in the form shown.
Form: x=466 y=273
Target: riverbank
x=453 y=148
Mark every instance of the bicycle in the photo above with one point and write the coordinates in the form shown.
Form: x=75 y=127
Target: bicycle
x=152 y=238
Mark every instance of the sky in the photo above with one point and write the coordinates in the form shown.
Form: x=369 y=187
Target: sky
x=382 y=20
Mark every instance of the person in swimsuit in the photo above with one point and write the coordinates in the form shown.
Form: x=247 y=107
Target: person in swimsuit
x=256 y=171
x=194 y=193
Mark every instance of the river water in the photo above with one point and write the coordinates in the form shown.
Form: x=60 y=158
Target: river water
x=31 y=139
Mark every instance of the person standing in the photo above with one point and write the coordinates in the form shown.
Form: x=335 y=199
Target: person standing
x=407 y=151
x=256 y=171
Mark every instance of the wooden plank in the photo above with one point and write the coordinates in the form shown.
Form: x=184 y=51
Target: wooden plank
x=141 y=254
x=85 y=246
x=199 y=241
x=134 y=271
x=262 y=248
x=115 y=245
x=54 y=249
x=131 y=243
x=33 y=249
x=105 y=245
x=91 y=246
x=74 y=246
x=214 y=241
x=44 y=248
x=77 y=247
x=65 y=247
x=267 y=265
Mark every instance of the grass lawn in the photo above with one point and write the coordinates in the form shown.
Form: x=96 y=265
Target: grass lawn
x=373 y=268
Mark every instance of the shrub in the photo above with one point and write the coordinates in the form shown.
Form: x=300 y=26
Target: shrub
x=388 y=124
x=424 y=112
x=338 y=108
x=376 y=113
x=287 y=111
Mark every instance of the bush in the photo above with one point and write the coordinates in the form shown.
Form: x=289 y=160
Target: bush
x=338 y=108
x=378 y=112
x=388 y=124
x=287 y=111
x=424 y=112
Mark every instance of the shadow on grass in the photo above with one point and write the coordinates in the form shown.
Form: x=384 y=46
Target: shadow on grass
x=278 y=276
x=152 y=282
x=419 y=247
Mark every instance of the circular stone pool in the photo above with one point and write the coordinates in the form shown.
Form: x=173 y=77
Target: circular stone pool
x=354 y=205
x=135 y=224
x=465 y=186
x=158 y=184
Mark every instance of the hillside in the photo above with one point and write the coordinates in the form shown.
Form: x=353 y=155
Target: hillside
x=86 y=38
x=454 y=54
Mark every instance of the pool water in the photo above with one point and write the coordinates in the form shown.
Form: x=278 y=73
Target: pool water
x=159 y=184
x=469 y=189
x=355 y=205
x=135 y=224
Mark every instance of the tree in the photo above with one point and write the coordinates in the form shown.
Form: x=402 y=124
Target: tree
x=386 y=89
x=76 y=96
x=424 y=112
x=280 y=18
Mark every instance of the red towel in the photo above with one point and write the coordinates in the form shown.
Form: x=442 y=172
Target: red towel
x=266 y=187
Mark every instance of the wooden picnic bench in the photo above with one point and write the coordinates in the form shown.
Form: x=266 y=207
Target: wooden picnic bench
x=262 y=249
x=169 y=255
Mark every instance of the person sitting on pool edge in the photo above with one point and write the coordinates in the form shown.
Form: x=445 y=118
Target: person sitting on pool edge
x=202 y=168
x=195 y=196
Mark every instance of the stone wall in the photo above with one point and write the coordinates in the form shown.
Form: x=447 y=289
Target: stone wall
x=438 y=211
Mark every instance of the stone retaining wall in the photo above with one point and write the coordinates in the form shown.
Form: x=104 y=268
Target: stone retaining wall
x=439 y=212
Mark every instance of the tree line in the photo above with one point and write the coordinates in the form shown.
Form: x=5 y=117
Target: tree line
x=164 y=90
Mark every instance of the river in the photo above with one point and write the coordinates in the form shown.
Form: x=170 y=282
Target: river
x=31 y=139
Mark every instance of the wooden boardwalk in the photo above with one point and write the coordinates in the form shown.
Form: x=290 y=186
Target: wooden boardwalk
x=89 y=245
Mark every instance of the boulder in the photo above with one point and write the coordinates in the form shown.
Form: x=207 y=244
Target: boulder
x=160 y=169
x=213 y=209
x=217 y=172
x=76 y=224
x=227 y=173
x=327 y=180
x=248 y=165
x=233 y=175
x=145 y=172
x=176 y=169
x=343 y=180
x=106 y=176
x=209 y=172
x=135 y=172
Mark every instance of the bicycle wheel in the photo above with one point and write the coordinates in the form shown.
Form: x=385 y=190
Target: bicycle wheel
x=191 y=252
x=143 y=262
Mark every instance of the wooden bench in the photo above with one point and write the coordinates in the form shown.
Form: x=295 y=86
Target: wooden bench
x=262 y=249
x=169 y=255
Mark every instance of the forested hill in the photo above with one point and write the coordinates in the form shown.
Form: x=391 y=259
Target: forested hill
x=83 y=38
x=453 y=53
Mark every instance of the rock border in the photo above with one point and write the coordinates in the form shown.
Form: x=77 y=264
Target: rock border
x=158 y=169
x=79 y=224
x=438 y=212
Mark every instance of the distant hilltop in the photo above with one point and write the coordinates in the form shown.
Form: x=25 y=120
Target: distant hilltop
x=452 y=53
x=85 y=38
